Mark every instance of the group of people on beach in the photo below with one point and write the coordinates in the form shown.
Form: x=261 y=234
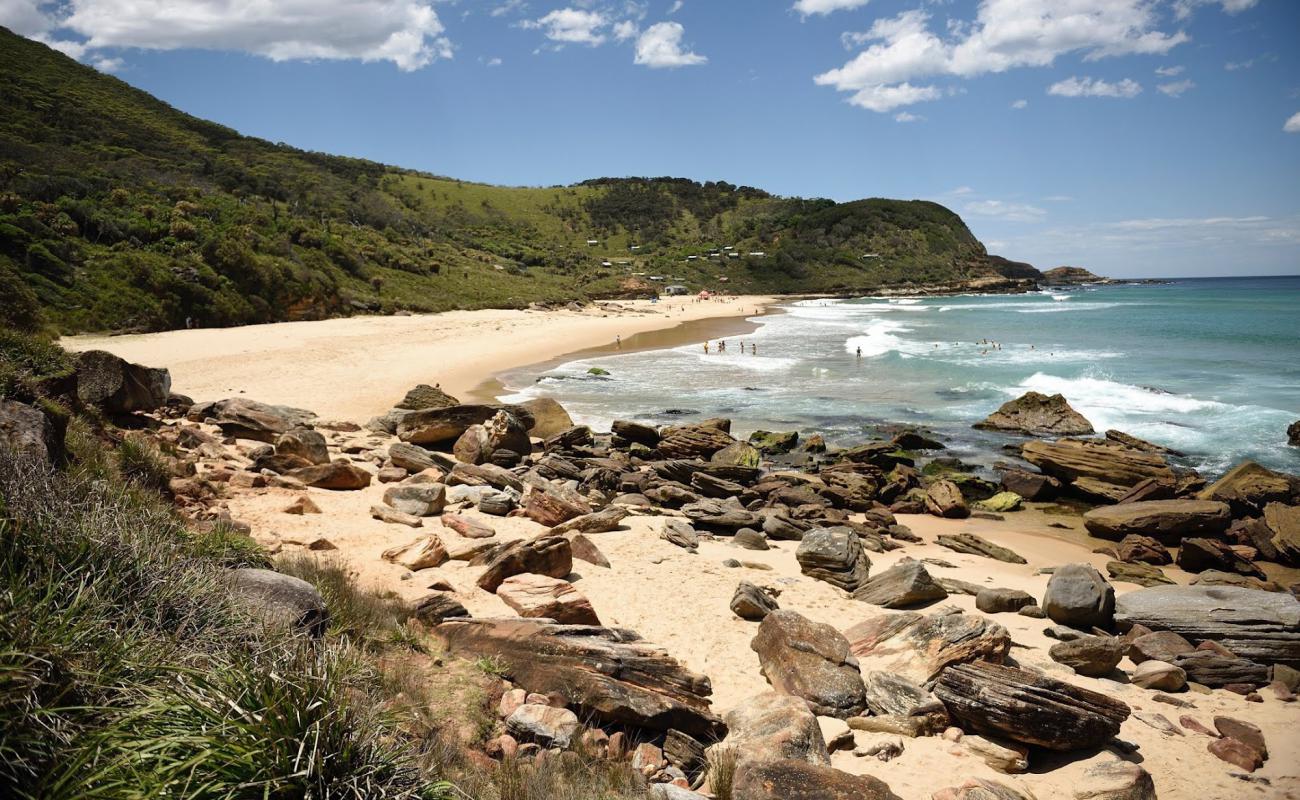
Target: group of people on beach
x=722 y=347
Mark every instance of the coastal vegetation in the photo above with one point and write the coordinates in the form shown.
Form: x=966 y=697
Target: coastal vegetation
x=119 y=212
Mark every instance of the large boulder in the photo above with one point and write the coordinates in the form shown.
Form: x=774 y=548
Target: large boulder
x=304 y=443
x=425 y=396
x=337 y=475
x=544 y=555
x=1283 y=522
x=903 y=585
x=1071 y=460
x=1077 y=595
x=1094 y=656
x=1038 y=415
x=1167 y=521
x=812 y=661
x=542 y=596
x=249 y=419
x=1201 y=555
x=549 y=417
x=792 y=779
x=609 y=675
x=1027 y=707
x=834 y=555
x=280 y=599
x=1030 y=485
x=692 y=441
x=944 y=499
x=24 y=429
x=440 y=426
x=120 y=387
x=919 y=646
x=775 y=726
x=1261 y=626
x=1249 y=487
x=412 y=458
x=752 y=602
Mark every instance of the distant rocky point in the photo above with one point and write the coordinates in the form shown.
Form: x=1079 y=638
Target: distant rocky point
x=1070 y=276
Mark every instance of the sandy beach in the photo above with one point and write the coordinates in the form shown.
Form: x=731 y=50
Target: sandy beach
x=357 y=367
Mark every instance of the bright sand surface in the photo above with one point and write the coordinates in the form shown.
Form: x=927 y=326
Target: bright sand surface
x=359 y=367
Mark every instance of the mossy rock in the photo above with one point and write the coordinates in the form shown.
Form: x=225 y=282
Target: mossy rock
x=738 y=454
x=1001 y=502
x=774 y=442
x=597 y=371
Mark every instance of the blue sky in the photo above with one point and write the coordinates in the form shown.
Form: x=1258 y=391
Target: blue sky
x=1134 y=137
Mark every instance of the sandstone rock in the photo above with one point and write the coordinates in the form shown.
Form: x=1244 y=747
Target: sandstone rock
x=1248 y=488
x=772 y=727
x=919 y=646
x=834 y=555
x=425 y=552
x=979 y=546
x=1002 y=502
x=1038 y=415
x=1168 y=521
x=1115 y=780
x=411 y=457
x=1135 y=548
x=421 y=500
x=607 y=519
x=980 y=789
x=636 y=432
x=1261 y=626
x=1027 y=707
x=750 y=539
x=279 y=599
x=1283 y=522
x=24 y=429
x=543 y=596
x=433 y=426
x=774 y=443
x=993 y=600
x=1199 y=555
x=306 y=444
x=436 y=607
x=395 y=517
x=546 y=725
x=1237 y=753
x=752 y=603
x=610 y=675
x=1094 y=656
x=337 y=475
x=1242 y=731
x=1141 y=574
x=1077 y=595
x=1070 y=460
x=472 y=446
x=791 y=779
x=812 y=661
x=889 y=693
x=249 y=419
x=1158 y=646
x=586 y=550
x=550 y=508
x=1216 y=670
x=425 y=396
x=467 y=527
x=692 y=441
x=714 y=514
x=549 y=418
x=545 y=555
x=944 y=499
x=1030 y=485
x=119 y=387
x=302 y=505
x=1159 y=676
x=1002 y=755
x=903 y=585
x=680 y=533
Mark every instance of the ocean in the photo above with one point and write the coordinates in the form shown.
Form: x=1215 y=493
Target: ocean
x=1209 y=367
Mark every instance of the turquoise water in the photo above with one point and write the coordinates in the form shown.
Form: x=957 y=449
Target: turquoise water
x=1210 y=367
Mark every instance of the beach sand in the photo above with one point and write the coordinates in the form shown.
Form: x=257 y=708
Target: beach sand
x=359 y=367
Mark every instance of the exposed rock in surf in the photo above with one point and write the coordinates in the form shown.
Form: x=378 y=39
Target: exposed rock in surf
x=1038 y=415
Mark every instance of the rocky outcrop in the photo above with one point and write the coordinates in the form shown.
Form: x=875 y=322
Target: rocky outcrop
x=1070 y=460
x=1200 y=555
x=1283 y=522
x=249 y=419
x=792 y=779
x=919 y=646
x=1249 y=487
x=903 y=585
x=1293 y=434
x=440 y=426
x=692 y=441
x=337 y=475
x=975 y=545
x=834 y=555
x=1038 y=414
x=608 y=674
x=1261 y=626
x=1167 y=521
x=532 y=595
x=425 y=396
x=544 y=555
x=119 y=387
x=1069 y=276
x=775 y=726
x=812 y=661
x=1027 y=707
x=280 y=599
x=1077 y=595
x=944 y=499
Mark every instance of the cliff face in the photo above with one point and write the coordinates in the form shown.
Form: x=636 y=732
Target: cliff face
x=1014 y=269
x=1065 y=276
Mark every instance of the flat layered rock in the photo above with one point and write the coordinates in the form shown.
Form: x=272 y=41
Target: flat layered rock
x=775 y=726
x=1167 y=521
x=1261 y=626
x=1141 y=574
x=1070 y=460
x=545 y=555
x=891 y=694
x=440 y=426
x=791 y=779
x=834 y=555
x=811 y=661
x=602 y=521
x=1135 y=548
x=1094 y=656
x=972 y=544
x=692 y=441
x=903 y=585
x=249 y=419
x=1283 y=522
x=1250 y=487
x=1038 y=414
x=338 y=476
x=609 y=674
x=1212 y=669
x=919 y=646
x=1027 y=707
x=533 y=595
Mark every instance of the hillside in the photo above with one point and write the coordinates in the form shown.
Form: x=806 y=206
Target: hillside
x=118 y=212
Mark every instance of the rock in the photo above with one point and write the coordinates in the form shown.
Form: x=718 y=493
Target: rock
x=421 y=500
x=636 y=432
x=425 y=396
x=410 y=457
x=680 y=533
x=1002 y=502
x=752 y=603
x=1115 y=780
x=772 y=727
x=1070 y=460
x=790 y=779
x=395 y=517
x=303 y=443
x=337 y=475
x=24 y=429
x=279 y=599
x=549 y=418
x=1159 y=676
x=423 y=553
x=1199 y=555
x=1216 y=670
x=1135 y=548
x=919 y=646
x=468 y=527
x=1248 y=488
x=1237 y=753
x=992 y=600
x=546 y=725
x=506 y=432
x=472 y=446
x=1141 y=574
x=737 y=454
x=1030 y=485
x=1283 y=522
x=1261 y=626
x=692 y=441
x=713 y=514
x=834 y=555
x=435 y=607
x=1242 y=731
x=543 y=596
x=391 y=474
x=1038 y=415
x=1168 y=521
x=550 y=508
x=302 y=505
x=978 y=546
x=545 y=555
x=607 y=519
x=750 y=539
x=774 y=443
x=1293 y=434
x=1077 y=595
x=944 y=499
x=668 y=791
x=1027 y=707
x=889 y=694
x=438 y=426
x=119 y=387
x=812 y=661
x=249 y=419
x=1158 y=646
x=905 y=584
x=1003 y=756
x=610 y=675
x=495 y=503
x=980 y=789
x=1094 y=656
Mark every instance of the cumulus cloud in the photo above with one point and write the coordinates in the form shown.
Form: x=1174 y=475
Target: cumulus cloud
x=25 y=17
x=1011 y=212
x=1292 y=125
x=1019 y=104
x=572 y=26
x=1176 y=88
x=675 y=7
x=1184 y=8
x=903 y=54
x=807 y=7
x=625 y=30
x=1095 y=87
x=661 y=46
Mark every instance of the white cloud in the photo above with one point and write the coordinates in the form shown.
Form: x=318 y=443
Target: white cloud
x=903 y=116
x=25 y=17
x=508 y=7
x=661 y=46
x=960 y=190
x=1184 y=8
x=406 y=32
x=1020 y=104
x=625 y=30
x=1058 y=198
x=572 y=26
x=676 y=6
x=1233 y=66
x=493 y=62
x=108 y=64
x=807 y=7
x=1094 y=87
x=1292 y=125
x=1169 y=72
x=1011 y=212
x=903 y=53
x=1176 y=88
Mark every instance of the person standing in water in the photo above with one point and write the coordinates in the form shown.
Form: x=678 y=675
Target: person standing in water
x=859 y=351
x=706 y=348
x=722 y=345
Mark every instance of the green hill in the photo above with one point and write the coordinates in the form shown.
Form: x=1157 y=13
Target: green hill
x=119 y=212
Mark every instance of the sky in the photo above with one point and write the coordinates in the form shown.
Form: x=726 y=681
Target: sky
x=1137 y=138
